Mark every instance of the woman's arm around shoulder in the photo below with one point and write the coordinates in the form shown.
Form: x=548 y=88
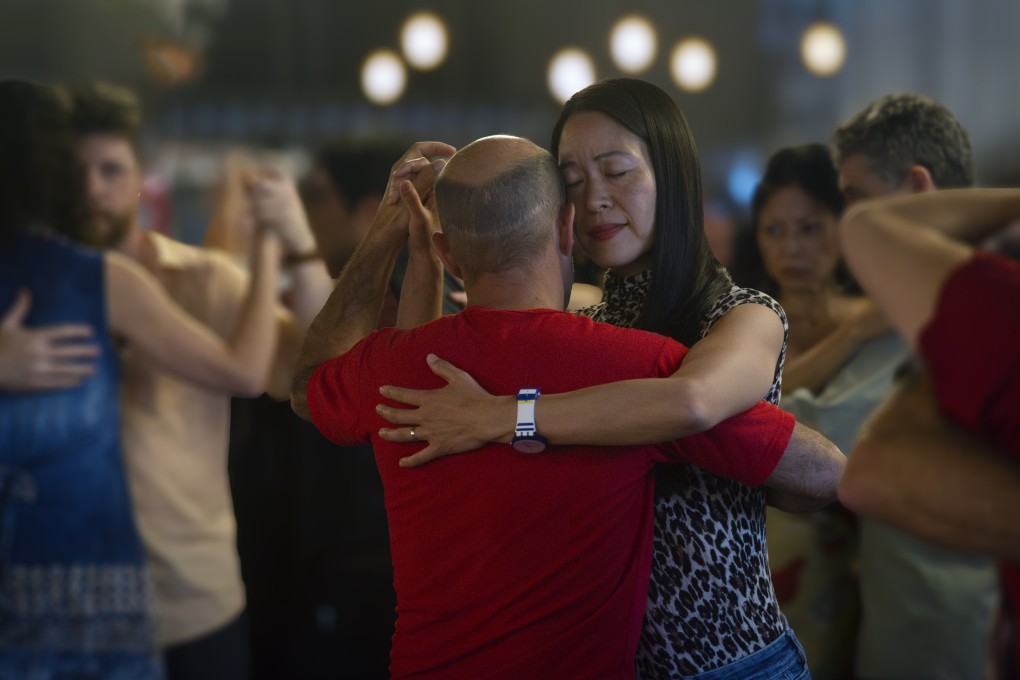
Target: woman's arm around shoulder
x=740 y=354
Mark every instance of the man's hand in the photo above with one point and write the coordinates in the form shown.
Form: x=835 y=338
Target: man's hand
x=416 y=166
x=419 y=156
x=421 y=294
x=421 y=209
x=353 y=308
x=52 y=357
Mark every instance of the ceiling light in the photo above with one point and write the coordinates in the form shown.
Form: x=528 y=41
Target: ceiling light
x=693 y=64
x=570 y=70
x=383 y=77
x=633 y=44
x=424 y=41
x=823 y=49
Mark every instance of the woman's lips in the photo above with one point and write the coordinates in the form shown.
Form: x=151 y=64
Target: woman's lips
x=604 y=232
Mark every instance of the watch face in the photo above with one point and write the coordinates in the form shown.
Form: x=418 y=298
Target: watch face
x=529 y=445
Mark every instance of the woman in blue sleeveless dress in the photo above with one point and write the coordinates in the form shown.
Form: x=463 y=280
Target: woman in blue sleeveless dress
x=74 y=590
x=75 y=595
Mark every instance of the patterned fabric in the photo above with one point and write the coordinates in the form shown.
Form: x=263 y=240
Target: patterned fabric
x=75 y=596
x=710 y=600
x=90 y=606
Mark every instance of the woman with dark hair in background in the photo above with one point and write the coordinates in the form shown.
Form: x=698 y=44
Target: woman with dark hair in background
x=631 y=169
x=840 y=363
x=794 y=211
x=75 y=598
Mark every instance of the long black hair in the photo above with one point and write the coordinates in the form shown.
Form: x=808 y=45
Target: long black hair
x=40 y=184
x=687 y=279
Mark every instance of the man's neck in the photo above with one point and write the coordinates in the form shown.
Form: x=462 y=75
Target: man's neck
x=134 y=244
x=516 y=289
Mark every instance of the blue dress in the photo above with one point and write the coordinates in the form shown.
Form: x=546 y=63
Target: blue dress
x=75 y=597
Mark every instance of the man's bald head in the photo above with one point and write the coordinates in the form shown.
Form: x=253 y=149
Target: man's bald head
x=499 y=199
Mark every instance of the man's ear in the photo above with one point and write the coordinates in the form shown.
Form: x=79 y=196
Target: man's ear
x=918 y=180
x=442 y=247
x=565 y=230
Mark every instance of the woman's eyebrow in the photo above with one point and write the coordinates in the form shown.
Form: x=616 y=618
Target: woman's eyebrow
x=600 y=157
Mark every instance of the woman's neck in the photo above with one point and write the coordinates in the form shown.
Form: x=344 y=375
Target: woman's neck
x=808 y=303
x=812 y=314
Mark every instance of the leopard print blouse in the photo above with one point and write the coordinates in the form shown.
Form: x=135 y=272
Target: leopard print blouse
x=710 y=599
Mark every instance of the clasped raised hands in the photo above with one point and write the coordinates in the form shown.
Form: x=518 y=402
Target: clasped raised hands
x=405 y=214
x=276 y=206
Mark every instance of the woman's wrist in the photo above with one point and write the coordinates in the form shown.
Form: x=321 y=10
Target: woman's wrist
x=266 y=239
x=294 y=258
x=851 y=334
x=504 y=419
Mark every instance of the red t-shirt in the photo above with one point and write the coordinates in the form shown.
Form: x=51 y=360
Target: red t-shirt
x=515 y=566
x=972 y=347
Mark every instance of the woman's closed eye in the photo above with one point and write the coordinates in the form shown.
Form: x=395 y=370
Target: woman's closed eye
x=571 y=179
x=612 y=170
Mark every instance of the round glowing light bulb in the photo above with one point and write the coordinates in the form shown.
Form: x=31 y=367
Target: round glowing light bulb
x=570 y=70
x=423 y=40
x=383 y=77
x=823 y=49
x=693 y=64
x=633 y=44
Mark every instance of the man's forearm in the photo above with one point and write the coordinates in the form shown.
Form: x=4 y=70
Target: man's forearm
x=922 y=474
x=351 y=311
x=353 y=308
x=421 y=295
x=968 y=215
x=945 y=488
x=807 y=475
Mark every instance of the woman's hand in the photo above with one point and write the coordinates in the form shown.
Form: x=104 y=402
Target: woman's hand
x=46 y=358
x=275 y=205
x=459 y=417
x=868 y=321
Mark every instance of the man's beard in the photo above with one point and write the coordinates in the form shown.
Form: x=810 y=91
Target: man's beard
x=107 y=231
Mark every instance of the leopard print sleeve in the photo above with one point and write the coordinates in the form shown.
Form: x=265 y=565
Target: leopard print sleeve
x=742 y=296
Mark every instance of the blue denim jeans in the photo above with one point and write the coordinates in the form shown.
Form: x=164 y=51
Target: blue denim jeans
x=783 y=659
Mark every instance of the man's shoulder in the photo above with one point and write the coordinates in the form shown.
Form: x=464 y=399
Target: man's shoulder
x=531 y=327
x=174 y=254
x=632 y=336
x=551 y=323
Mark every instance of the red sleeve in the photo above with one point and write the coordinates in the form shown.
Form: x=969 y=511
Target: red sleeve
x=972 y=350
x=335 y=395
x=744 y=448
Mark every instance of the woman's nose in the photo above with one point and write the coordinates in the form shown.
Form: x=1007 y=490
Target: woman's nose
x=792 y=244
x=596 y=196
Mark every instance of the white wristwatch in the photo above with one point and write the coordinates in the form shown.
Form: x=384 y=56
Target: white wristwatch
x=526 y=437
